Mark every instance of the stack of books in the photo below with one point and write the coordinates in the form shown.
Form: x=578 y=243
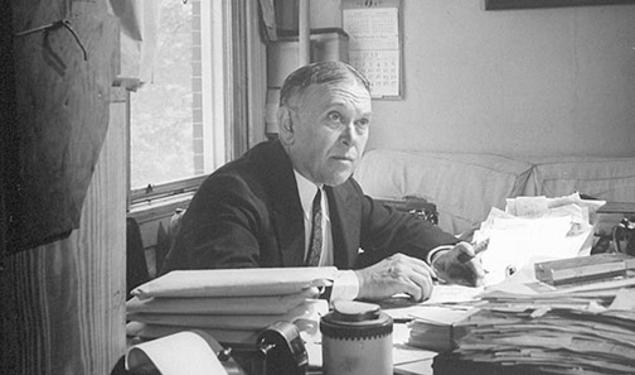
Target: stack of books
x=233 y=305
x=585 y=328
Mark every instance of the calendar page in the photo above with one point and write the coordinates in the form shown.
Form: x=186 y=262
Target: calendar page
x=381 y=68
x=374 y=44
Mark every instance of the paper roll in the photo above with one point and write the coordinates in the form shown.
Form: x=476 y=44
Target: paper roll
x=182 y=353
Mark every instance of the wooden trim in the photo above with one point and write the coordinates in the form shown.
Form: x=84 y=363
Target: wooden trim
x=256 y=77
x=238 y=82
x=158 y=209
x=520 y=4
x=292 y=34
x=167 y=189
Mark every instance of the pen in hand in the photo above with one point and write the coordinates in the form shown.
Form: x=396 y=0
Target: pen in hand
x=460 y=266
x=478 y=248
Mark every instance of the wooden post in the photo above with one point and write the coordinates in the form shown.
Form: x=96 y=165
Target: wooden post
x=62 y=304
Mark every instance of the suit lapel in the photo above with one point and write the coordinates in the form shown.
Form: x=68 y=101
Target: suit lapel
x=286 y=208
x=345 y=224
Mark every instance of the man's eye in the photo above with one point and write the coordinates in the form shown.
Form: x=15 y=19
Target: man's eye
x=362 y=123
x=334 y=116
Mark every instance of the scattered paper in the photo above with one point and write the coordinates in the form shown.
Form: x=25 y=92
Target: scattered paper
x=535 y=229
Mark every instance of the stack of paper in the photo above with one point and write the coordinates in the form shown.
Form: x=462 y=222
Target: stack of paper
x=232 y=305
x=433 y=325
x=430 y=322
x=584 y=329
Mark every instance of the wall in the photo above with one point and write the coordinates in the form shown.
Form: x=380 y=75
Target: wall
x=548 y=81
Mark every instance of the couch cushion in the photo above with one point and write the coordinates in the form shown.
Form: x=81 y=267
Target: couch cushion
x=463 y=186
x=611 y=179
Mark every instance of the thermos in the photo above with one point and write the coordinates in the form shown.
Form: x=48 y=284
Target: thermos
x=356 y=340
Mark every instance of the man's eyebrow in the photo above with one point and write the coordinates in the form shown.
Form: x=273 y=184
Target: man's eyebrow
x=343 y=104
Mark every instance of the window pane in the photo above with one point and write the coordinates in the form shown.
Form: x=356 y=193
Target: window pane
x=163 y=146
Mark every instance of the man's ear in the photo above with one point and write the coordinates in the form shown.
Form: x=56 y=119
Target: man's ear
x=285 y=126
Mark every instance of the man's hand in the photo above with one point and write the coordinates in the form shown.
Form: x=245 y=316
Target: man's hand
x=398 y=273
x=459 y=265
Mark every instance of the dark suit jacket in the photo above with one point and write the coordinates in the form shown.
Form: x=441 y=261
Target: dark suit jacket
x=248 y=214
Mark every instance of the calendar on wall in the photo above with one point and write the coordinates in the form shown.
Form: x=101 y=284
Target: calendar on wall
x=375 y=44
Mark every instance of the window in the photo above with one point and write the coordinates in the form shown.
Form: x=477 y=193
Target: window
x=177 y=118
x=193 y=113
x=169 y=124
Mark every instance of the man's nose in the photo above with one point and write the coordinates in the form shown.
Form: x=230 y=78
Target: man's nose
x=348 y=134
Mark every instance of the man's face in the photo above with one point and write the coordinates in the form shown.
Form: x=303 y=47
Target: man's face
x=330 y=124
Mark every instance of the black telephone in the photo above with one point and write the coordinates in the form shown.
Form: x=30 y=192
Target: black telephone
x=624 y=236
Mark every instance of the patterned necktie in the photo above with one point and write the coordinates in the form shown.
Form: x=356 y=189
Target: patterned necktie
x=315 y=244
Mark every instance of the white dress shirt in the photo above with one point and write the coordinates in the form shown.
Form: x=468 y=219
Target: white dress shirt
x=346 y=285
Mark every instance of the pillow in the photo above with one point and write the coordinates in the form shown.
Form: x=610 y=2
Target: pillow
x=611 y=179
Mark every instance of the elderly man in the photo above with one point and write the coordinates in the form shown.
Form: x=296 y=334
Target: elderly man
x=293 y=202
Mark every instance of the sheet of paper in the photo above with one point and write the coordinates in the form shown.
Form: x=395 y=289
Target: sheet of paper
x=456 y=297
x=513 y=243
x=453 y=294
x=441 y=315
x=527 y=206
x=624 y=300
x=404 y=353
x=423 y=367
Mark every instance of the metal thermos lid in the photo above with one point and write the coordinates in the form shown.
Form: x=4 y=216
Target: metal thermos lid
x=352 y=319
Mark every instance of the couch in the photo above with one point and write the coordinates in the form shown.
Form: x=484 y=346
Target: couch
x=465 y=187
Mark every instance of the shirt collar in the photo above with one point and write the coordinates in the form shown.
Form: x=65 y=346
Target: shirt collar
x=306 y=190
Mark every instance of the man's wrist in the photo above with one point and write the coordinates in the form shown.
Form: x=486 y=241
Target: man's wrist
x=345 y=286
x=434 y=253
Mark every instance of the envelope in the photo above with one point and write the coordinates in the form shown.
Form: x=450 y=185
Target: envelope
x=309 y=310
x=268 y=305
x=236 y=282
